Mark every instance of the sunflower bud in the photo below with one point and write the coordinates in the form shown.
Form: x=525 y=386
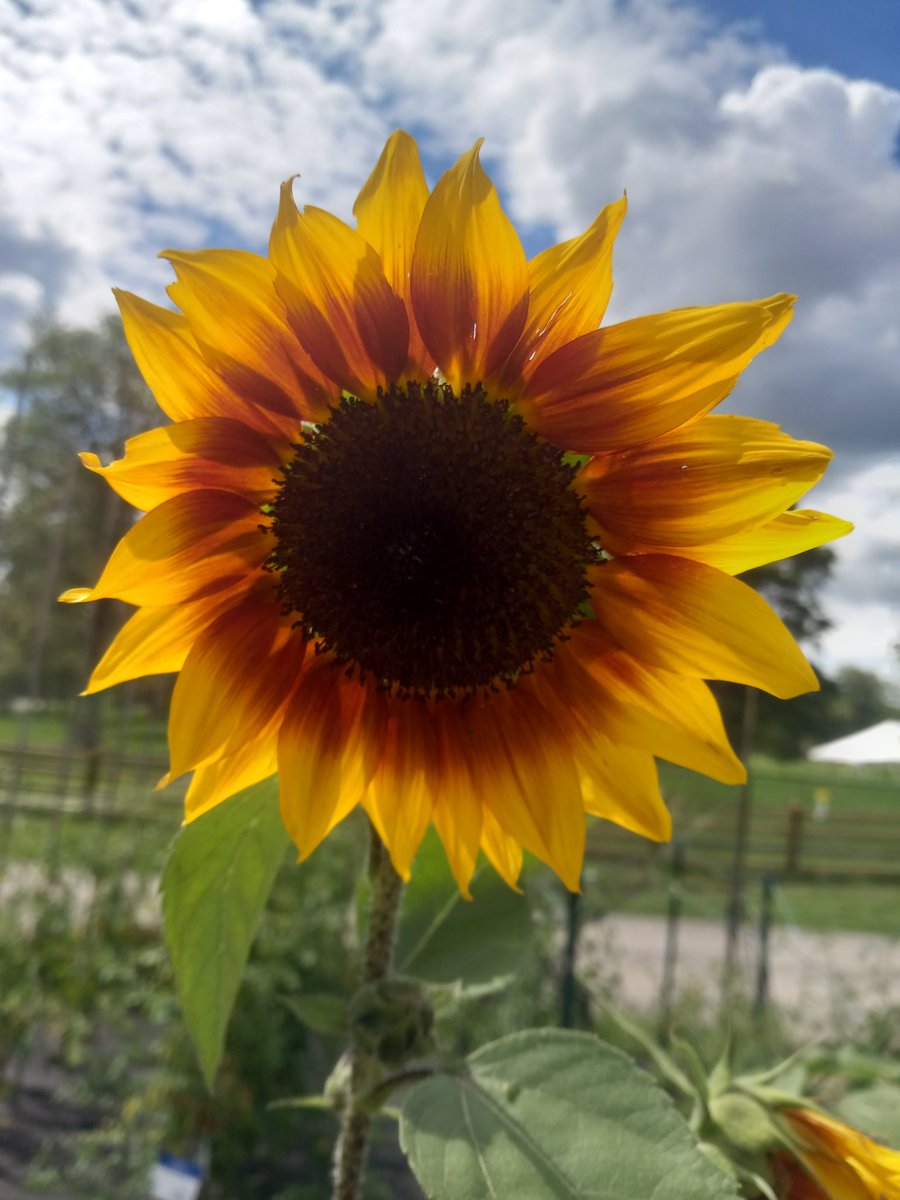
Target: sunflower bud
x=391 y=1020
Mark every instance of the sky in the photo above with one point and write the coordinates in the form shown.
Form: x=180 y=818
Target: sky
x=759 y=144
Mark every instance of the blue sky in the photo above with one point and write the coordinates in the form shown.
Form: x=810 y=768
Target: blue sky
x=860 y=38
x=757 y=143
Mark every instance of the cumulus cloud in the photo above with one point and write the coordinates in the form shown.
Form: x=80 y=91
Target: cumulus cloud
x=131 y=126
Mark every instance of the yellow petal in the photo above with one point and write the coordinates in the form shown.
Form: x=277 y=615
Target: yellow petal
x=156 y=641
x=530 y=782
x=400 y=798
x=190 y=545
x=625 y=384
x=177 y=374
x=238 y=675
x=788 y=534
x=502 y=851
x=338 y=302
x=237 y=317
x=570 y=287
x=620 y=785
x=325 y=758
x=710 y=479
x=686 y=617
x=457 y=813
x=469 y=276
x=388 y=211
x=208 y=452
x=253 y=761
x=675 y=717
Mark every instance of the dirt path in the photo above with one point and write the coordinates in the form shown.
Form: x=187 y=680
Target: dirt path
x=823 y=983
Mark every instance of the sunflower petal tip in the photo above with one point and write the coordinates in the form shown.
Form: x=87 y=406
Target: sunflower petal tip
x=75 y=595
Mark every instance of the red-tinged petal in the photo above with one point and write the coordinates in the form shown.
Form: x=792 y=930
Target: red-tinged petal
x=327 y=751
x=620 y=784
x=713 y=478
x=189 y=546
x=388 y=211
x=604 y=688
x=215 y=453
x=686 y=617
x=338 y=302
x=788 y=534
x=626 y=384
x=239 y=673
x=457 y=813
x=503 y=852
x=469 y=276
x=570 y=287
x=400 y=798
x=180 y=378
x=156 y=641
x=523 y=758
x=254 y=761
x=240 y=323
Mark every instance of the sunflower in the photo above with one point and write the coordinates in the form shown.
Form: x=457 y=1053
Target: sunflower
x=422 y=536
x=838 y=1162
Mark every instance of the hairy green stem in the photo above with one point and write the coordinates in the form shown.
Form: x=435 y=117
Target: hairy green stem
x=352 y=1148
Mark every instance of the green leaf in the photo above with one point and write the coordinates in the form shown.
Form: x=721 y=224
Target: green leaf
x=553 y=1115
x=443 y=938
x=875 y=1110
x=218 y=877
x=320 y=1012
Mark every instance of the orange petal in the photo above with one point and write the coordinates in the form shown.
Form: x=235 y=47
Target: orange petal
x=327 y=752
x=788 y=534
x=570 y=288
x=620 y=785
x=239 y=321
x=255 y=760
x=178 y=375
x=469 y=276
x=675 y=717
x=457 y=813
x=530 y=782
x=400 y=798
x=502 y=851
x=190 y=545
x=156 y=641
x=628 y=383
x=686 y=617
x=707 y=480
x=388 y=210
x=208 y=452
x=338 y=302
x=240 y=671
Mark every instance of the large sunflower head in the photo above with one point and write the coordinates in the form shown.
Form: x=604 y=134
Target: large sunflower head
x=422 y=536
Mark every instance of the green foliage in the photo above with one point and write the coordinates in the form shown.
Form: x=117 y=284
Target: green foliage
x=216 y=884
x=74 y=390
x=444 y=938
x=552 y=1115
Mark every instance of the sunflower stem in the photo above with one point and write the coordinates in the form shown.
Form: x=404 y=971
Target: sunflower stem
x=352 y=1148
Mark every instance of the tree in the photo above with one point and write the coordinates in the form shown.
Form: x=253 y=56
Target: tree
x=73 y=390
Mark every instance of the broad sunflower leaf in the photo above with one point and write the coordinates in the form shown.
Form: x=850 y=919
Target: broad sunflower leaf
x=443 y=938
x=215 y=886
x=553 y=1115
x=875 y=1110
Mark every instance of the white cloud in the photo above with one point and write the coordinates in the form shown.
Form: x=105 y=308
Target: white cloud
x=131 y=126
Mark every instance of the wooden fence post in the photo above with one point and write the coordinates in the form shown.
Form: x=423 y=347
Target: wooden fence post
x=794 y=844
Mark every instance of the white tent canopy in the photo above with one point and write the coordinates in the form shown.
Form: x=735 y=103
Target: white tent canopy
x=878 y=744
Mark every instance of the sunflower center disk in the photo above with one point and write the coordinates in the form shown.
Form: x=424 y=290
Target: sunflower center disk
x=431 y=541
